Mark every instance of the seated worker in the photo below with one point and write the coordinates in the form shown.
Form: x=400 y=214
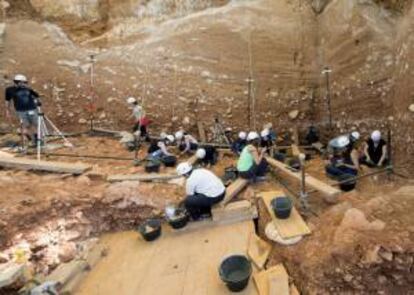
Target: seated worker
x=158 y=148
x=207 y=156
x=345 y=159
x=141 y=121
x=203 y=189
x=375 y=150
x=239 y=144
x=272 y=132
x=186 y=143
x=312 y=135
x=251 y=163
x=265 y=139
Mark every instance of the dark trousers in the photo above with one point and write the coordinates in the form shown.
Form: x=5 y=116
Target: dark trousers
x=255 y=171
x=372 y=164
x=338 y=171
x=199 y=204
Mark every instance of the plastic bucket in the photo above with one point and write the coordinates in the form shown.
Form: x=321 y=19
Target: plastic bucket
x=282 y=207
x=169 y=161
x=152 y=167
x=347 y=183
x=235 y=272
x=150 y=230
x=180 y=219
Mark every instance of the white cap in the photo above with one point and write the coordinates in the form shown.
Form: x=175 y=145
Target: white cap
x=355 y=135
x=20 y=78
x=376 y=135
x=163 y=135
x=242 y=135
x=252 y=136
x=179 y=135
x=170 y=138
x=131 y=100
x=184 y=168
x=200 y=153
x=229 y=129
x=265 y=132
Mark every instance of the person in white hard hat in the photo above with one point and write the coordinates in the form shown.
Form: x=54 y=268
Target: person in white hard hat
x=265 y=139
x=158 y=149
x=239 y=144
x=141 y=122
x=207 y=155
x=344 y=160
x=203 y=190
x=186 y=143
x=252 y=163
x=375 y=150
x=26 y=102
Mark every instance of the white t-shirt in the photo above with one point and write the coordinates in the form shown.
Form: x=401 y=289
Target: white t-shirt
x=137 y=112
x=203 y=181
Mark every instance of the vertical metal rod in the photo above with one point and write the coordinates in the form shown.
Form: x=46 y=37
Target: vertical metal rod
x=326 y=71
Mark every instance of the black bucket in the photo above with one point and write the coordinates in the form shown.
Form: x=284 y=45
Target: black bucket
x=150 y=229
x=294 y=163
x=235 y=271
x=152 y=167
x=169 y=161
x=282 y=207
x=279 y=156
x=347 y=182
x=180 y=220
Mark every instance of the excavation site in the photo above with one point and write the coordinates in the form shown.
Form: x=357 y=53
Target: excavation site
x=203 y=147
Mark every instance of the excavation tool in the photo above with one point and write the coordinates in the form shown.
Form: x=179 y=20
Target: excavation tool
x=326 y=71
x=43 y=132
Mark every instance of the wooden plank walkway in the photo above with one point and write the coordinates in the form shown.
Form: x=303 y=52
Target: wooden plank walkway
x=49 y=166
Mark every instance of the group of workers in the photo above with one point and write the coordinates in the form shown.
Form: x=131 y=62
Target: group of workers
x=349 y=152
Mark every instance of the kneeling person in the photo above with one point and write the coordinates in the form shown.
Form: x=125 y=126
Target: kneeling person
x=203 y=189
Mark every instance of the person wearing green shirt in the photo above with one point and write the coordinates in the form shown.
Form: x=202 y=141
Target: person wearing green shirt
x=251 y=163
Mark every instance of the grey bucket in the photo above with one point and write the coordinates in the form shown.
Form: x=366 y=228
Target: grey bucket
x=235 y=271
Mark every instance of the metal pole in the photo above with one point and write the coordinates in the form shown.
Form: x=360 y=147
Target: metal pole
x=249 y=101
x=326 y=72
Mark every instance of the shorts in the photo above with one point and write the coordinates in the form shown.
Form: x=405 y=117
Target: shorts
x=28 y=118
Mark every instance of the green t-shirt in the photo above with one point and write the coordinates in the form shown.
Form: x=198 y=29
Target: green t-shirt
x=246 y=160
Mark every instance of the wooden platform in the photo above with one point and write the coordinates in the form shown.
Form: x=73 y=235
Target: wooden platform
x=234 y=211
x=234 y=189
x=331 y=193
x=258 y=250
x=178 y=263
x=49 y=166
x=274 y=280
x=147 y=177
x=287 y=228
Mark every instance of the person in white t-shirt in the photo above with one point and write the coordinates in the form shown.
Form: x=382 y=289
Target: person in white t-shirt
x=203 y=189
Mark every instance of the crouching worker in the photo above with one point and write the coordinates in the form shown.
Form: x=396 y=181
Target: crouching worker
x=344 y=160
x=203 y=189
x=158 y=149
x=186 y=142
x=251 y=163
x=207 y=156
x=239 y=144
x=375 y=151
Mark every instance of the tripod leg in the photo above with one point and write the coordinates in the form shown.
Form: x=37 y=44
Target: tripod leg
x=39 y=137
x=67 y=142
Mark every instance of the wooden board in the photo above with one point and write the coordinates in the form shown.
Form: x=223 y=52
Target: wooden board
x=178 y=263
x=201 y=131
x=49 y=166
x=147 y=177
x=279 y=277
x=291 y=227
x=331 y=193
x=258 y=250
x=234 y=210
x=295 y=150
x=234 y=189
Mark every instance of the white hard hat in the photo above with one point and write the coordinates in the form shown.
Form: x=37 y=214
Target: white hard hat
x=200 y=153
x=20 y=78
x=184 y=168
x=163 y=135
x=179 y=135
x=339 y=142
x=355 y=135
x=265 y=132
x=252 y=136
x=242 y=135
x=229 y=129
x=376 y=135
x=170 y=138
x=131 y=100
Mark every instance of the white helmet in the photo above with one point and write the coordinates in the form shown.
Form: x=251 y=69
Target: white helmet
x=340 y=142
x=179 y=135
x=376 y=135
x=242 y=135
x=131 y=100
x=20 y=78
x=355 y=135
x=184 y=168
x=200 y=153
x=163 y=135
x=265 y=132
x=170 y=138
x=252 y=136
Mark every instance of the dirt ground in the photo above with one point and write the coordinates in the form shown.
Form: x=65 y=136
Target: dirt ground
x=367 y=237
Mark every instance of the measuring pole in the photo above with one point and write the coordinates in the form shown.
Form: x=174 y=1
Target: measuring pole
x=92 y=85
x=249 y=100
x=326 y=72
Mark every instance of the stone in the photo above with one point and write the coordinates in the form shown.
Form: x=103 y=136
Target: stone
x=293 y=114
x=411 y=108
x=67 y=252
x=348 y=278
x=82 y=121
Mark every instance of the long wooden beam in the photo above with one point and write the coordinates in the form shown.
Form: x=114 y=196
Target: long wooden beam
x=328 y=191
x=49 y=166
x=147 y=177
